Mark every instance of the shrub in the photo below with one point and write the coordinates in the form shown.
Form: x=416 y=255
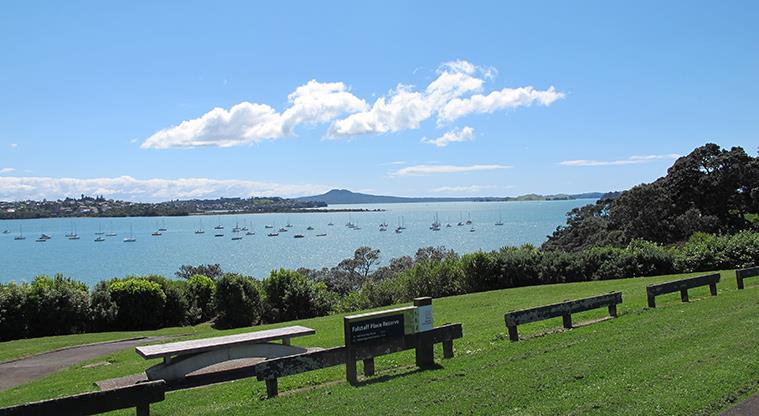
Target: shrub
x=561 y=267
x=354 y=301
x=384 y=292
x=177 y=305
x=291 y=296
x=200 y=294
x=701 y=252
x=517 y=266
x=103 y=309
x=481 y=272
x=56 y=306
x=238 y=301
x=742 y=250
x=13 y=311
x=140 y=303
x=436 y=278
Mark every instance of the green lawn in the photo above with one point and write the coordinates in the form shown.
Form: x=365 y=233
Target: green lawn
x=694 y=358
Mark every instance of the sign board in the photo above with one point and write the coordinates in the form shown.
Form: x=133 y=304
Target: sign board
x=424 y=318
x=379 y=327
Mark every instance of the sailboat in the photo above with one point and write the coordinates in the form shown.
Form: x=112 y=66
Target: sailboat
x=435 y=224
x=237 y=227
x=6 y=231
x=200 y=229
x=111 y=233
x=236 y=235
x=100 y=230
x=163 y=226
x=288 y=223
x=469 y=219
x=20 y=235
x=131 y=238
x=219 y=227
x=72 y=235
x=99 y=239
x=460 y=223
x=500 y=221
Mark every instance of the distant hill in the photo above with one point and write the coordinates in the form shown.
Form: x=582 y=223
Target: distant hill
x=344 y=196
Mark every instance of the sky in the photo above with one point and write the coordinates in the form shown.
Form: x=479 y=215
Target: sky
x=151 y=101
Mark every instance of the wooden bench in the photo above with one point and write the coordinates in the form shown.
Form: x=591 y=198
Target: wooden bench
x=139 y=396
x=184 y=357
x=744 y=273
x=682 y=286
x=563 y=309
x=269 y=371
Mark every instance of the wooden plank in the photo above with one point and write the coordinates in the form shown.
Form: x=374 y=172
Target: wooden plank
x=138 y=395
x=296 y=364
x=678 y=285
x=562 y=309
x=208 y=344
x=744 y=273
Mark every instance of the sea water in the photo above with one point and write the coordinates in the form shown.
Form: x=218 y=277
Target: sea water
x=256 y=255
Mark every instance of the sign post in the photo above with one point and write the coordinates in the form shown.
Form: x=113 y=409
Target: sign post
x=425 y=352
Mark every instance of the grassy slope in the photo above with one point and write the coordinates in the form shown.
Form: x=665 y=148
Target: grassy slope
x=678 y=359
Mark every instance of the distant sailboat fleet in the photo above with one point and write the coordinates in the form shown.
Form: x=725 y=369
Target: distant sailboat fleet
x=247 y=229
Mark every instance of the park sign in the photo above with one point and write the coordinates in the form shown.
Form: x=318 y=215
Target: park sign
x=378 y=327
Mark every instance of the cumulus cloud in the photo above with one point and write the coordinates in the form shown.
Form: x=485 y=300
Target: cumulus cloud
x=469 y=189
x=632 y=160
x=6 y=170
x=504 y=99
x=246 y=122
x=422 y=170
x=13 y=145
x=455 y=92
x=456 y=135
x=147 y=190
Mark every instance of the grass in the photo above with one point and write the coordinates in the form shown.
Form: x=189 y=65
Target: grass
x=694 y=358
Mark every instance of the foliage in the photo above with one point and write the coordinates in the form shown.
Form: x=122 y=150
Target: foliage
x=140 y=303
x=291 y=296
x=13 y=299
x=103 y=309
x=710 y=190
x=200 y=296
x=56 y=306
x=238 y=301
x=212 y=271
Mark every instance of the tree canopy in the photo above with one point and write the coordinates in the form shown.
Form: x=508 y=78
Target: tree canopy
x=710 y=190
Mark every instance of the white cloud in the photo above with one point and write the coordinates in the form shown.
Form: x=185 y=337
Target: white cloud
x=456 y=135
x=13 y=145
x=470 y=189
x=129 y=188
x=6 y=170
x=497 y=100
x=632 y=160
x=453 y=93
x=420 y=170
x=247 y=122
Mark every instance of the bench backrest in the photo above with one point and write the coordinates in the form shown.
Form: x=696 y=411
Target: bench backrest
x=208 y=344
x=678 y=285
x=93 y=403
x=750 y=272
x=556 y=310
x=296 y=364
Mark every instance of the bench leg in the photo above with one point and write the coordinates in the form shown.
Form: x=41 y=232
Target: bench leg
x=613 y=310
x=369 y=367
x=448 y=349
x=350 y=370
x=285 y=341
x=684 y=295
x=713 y=289
x=425 y=354
x=272 y=387
x=739 y=281
x=567 y=320
x=143 y=409
x=513 y=334
x=651 y=301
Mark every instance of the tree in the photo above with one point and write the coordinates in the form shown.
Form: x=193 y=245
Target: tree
x=212 y=271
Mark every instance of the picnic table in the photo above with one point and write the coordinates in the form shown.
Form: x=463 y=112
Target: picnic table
x=184 y=357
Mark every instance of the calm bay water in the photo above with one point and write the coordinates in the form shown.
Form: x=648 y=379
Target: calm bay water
x=257 y=255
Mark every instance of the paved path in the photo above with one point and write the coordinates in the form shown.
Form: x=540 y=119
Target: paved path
x=18 y=372
x=750 y=407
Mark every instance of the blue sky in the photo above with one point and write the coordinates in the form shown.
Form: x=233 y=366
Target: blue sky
x=430 y=98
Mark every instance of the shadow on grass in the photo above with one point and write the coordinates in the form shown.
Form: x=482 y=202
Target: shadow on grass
x=388 y=377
